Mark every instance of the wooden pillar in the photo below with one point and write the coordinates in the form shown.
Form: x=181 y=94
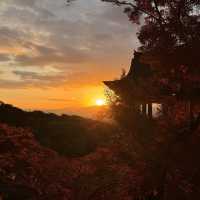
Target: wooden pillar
x=164 y=109
x=150 y=110
x=144 y=109
x=190 y=110
x=138 y=108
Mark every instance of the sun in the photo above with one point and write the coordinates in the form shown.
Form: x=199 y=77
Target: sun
x=100 y=102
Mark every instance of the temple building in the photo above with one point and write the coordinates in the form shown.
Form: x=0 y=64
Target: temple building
x=132 y=87
x=147 y=88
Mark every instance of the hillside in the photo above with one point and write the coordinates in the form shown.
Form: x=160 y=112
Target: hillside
x=68 y=135
x=28 y=170
x=31 y=171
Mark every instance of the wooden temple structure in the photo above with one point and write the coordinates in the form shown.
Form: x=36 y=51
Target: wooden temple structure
x=140 y=87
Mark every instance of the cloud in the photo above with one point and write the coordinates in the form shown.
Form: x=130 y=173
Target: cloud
x=45 y=56
x=45 y=34
x=9 y=36
x=69 y=81
x=24 y=3
x=12 y=84
x=34 y=77
x=26 y=79
x=4 y=57
x=60 y=100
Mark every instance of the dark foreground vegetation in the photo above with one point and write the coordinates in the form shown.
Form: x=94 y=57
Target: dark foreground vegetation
x=68 y=135
x=153 y=162
x=146 y=158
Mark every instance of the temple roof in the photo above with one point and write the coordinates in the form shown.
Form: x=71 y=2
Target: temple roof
x=135 y=80
x=139 y=83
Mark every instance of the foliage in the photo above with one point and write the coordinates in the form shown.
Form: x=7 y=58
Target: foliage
x=161 y=143
x=29 y=171
x=133 y=166
x=68 y=135
x=147 y=159
x=166 y=24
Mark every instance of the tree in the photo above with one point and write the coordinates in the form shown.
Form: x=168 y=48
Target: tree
x=165 y=24
x=170 y=35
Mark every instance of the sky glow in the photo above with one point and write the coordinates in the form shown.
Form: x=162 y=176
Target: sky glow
x=55 y=57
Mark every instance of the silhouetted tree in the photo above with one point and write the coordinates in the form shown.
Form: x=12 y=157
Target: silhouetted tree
x=164 y=23
x=170 y=40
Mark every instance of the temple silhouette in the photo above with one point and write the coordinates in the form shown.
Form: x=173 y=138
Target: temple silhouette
x=132 y=87
x=140 y=87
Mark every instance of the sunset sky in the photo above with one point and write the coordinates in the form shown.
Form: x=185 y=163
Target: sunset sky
x=54 y=57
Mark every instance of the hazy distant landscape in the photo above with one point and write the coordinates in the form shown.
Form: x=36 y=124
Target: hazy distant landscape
x=99 y=100
x=68 y=135
x=88 y=112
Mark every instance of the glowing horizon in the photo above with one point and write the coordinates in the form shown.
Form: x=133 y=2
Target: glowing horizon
x=100 y=102
x=54 y=57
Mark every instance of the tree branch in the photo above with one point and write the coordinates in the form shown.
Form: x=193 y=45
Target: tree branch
x=158 y=12
x=121 y=3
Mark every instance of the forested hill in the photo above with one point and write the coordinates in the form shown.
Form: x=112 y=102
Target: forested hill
x=68 y=135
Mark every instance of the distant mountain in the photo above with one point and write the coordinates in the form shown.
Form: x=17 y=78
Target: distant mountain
x=93 y=112
x=68 y=135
